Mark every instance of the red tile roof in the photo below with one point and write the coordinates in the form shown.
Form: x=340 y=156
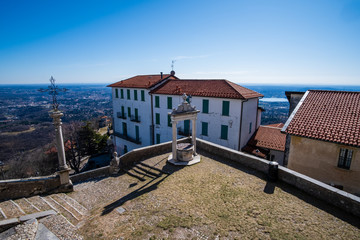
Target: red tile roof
x=332 y=116
x=142 y=81
x=269 y=137
x=206 y=88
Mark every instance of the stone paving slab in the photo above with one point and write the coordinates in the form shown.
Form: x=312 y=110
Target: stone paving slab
x=43 y=233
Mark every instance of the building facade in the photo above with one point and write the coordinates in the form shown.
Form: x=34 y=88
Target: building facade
x=324 y=138
x=229 y=113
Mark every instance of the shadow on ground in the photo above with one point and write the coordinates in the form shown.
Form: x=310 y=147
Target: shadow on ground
x=148 y=187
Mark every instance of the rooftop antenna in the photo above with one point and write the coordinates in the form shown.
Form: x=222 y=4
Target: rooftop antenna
x=172 y=67
x=53 y=90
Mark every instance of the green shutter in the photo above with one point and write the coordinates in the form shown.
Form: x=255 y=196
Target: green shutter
x=157 y=138
x=122 y=111
x=187 y=127
x=125 y=149
x=136 y=114
x=142 y=95
x=157 y=101
x=116 y=93
x=137 y=133
x=169 y=102
x=135 y=95
x=224 y=132
x=122 y=93
x=169 y=120
x=129 y=112
x=225 y=108
x=124 y=129
x=205 y=106
x=157 y=118
x=204 y=128
x=128 y=94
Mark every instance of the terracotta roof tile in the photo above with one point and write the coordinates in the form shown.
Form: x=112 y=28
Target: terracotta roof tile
x=218 y=88
x=328 y=115
x=142 y=81
x=269 y=137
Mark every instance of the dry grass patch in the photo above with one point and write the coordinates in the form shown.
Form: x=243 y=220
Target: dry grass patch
x=213 y=199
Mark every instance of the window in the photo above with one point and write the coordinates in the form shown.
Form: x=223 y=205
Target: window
x=116 y=93
x=122 y=111
x=135 y=95
x=169 y=120
x=169 y=102
x=225 y=108
x=128 y=94
x=205 y=108
x=129 y=112
x=157 y=118
x=204 y=128
x=157 y=138
x=345 y=157
x=122 y=93
x=250 y=127
x=136 y=114
x=224 y=132
x=142 y=95
x=137 y=133
x=157 y=101
x=124 y=129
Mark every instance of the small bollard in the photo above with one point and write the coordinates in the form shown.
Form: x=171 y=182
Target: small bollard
x=273 y=171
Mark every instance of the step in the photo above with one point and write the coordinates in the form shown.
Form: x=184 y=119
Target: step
x=67 y=229
x=74 y=203
x=61 y=209
x=2 y=215
x=148 y=171
x=38 y=203
x=26 y=206
x=10 y=209
x=69 y=207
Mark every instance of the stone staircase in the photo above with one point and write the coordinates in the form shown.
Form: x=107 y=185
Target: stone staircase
x=62 y=204
x=144 y=171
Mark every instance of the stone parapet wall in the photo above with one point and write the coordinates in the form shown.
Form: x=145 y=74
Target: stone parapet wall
x=331 y=195
x=18 y=188
x=96 y=173
x=140 y=154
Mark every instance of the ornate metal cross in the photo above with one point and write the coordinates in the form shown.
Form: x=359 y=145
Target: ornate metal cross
x=53 y=90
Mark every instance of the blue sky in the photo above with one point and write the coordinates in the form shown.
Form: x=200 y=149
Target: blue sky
x=250 y=42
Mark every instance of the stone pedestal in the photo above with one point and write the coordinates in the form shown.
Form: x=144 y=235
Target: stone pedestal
x=64 y=176
x=64 y=170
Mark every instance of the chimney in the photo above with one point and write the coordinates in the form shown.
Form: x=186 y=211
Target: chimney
x=161 y=75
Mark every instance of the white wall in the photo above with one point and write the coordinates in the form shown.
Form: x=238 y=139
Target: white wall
x=144 y=112
x=214 y=119
x=249 y=116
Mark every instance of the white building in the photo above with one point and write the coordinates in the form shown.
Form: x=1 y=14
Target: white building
x=229 y=113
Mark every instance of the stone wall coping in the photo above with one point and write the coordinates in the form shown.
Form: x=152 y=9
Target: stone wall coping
x=42 y=178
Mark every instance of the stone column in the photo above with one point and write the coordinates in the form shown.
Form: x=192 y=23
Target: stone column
x=174 y=137
x=193 y=134
x=63 y=168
